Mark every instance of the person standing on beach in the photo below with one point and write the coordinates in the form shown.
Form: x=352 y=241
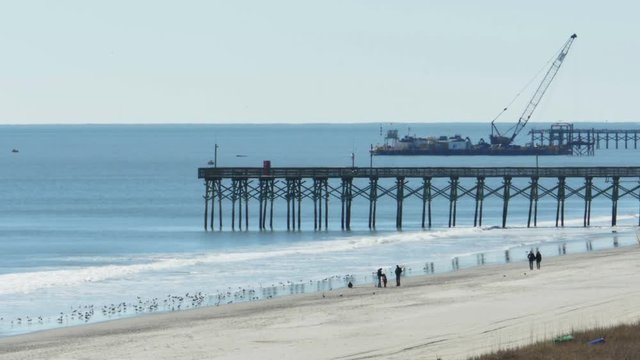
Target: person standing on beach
x=398 y=272
x=384 y=279
x=379 y=277
x=531 y=258
x=538 y=259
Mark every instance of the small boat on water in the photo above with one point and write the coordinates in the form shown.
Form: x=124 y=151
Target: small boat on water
x=15 y=151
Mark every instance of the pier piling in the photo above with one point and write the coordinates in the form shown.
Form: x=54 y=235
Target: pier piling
x=453 y=200
x=207 y=196
x=614 y=200
x=560 y=203
x=477 y=216
x=533 y=201
x=427 y=198
x=345 y=198
x=588 y=185
x=505 y=199
x=399 y=201
x=373 y=199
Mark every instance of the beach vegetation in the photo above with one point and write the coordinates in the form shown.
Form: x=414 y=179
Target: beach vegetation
x=601 y=343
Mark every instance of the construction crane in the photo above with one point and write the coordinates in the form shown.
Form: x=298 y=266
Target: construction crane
x=498 y=139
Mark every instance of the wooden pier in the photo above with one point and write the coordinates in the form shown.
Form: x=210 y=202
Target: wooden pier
x=236 y=187
x=585 y=141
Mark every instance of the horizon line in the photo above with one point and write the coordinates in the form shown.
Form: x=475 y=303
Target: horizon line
x=306 y=123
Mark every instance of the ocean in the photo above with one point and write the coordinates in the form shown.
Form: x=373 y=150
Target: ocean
x=100 y=222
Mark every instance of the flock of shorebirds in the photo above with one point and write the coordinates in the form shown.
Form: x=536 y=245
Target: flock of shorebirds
x=87 y=313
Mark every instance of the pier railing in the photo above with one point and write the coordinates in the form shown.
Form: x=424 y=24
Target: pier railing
x=240 y=185
x=392 y=172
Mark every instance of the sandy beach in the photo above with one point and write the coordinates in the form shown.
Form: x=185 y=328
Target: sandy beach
x=446 y=316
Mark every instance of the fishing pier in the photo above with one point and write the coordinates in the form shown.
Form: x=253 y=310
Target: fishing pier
x=229 y=191
x=585 y=141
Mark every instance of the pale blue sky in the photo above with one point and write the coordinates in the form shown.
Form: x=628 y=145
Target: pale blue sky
x=337 y=61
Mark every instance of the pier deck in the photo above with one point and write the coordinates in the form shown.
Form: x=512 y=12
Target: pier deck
x=394 y=172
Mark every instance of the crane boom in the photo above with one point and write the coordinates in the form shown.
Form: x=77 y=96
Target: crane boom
x=535 y=100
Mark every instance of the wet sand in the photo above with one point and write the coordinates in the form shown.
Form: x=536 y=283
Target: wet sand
x=447 y=316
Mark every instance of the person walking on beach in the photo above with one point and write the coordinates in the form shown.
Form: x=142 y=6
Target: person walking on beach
x=531 y=258
x=538 y=259
x=379 y=277
x=398 y=272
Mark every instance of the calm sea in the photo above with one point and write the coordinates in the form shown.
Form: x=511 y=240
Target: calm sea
x=99 y=222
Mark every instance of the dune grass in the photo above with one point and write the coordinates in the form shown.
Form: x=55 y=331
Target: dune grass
x=620 y=342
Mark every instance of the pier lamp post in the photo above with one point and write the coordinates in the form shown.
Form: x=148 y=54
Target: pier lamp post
x=371 y=156
x=215 y=156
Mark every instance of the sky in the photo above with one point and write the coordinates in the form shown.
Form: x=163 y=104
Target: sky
x=330 y=61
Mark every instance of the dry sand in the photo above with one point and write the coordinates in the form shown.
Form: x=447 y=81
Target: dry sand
x=447 y=316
